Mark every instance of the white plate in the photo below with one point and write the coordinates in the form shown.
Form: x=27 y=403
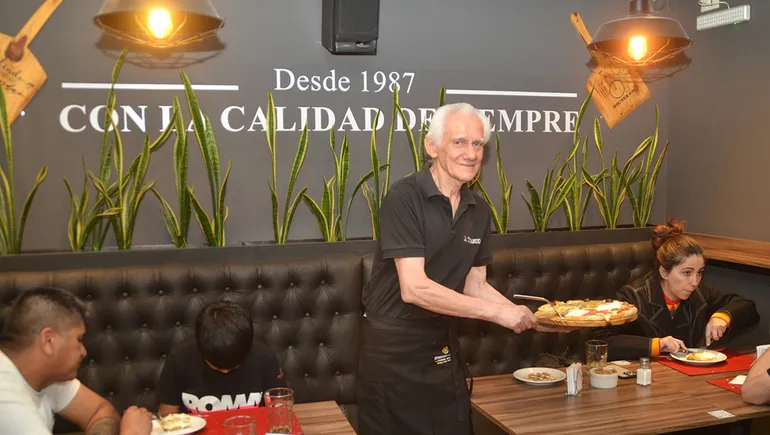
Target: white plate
x=196 y=424
x=521 y=374
x=682 y=357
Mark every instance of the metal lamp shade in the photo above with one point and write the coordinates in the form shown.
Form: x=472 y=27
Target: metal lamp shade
x=665 y=38
x=193 y=20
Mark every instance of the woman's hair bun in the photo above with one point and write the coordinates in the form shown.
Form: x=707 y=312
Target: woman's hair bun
x=665 y=232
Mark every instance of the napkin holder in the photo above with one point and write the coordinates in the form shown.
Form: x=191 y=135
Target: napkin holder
x=574 y=379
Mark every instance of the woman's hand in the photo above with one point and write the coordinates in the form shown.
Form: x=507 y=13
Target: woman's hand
x=715 y=329
x=670 y=344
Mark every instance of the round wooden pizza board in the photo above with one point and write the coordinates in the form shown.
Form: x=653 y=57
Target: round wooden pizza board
x=553 y=319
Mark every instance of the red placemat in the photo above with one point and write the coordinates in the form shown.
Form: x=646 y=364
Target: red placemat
x=214 y=420
x=735 y=362
x=725 y=383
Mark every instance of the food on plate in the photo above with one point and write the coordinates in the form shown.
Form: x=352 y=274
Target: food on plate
x=540 y=376
x=175 y=422
x=588 y=312
x=701 y=356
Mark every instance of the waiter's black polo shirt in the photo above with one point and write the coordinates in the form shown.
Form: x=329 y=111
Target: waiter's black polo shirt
x=416 y=221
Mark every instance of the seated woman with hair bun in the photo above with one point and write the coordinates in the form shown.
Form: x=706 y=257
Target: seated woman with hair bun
x=676 y=311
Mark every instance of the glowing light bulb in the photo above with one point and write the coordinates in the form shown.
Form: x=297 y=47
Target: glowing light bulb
x=637 y=47
x=159 y=23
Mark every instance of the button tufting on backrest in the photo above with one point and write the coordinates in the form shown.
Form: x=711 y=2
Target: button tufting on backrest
x=130 y=334
x=307 y=311
x=557 y=273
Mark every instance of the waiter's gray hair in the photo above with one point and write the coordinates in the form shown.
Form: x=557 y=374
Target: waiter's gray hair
x=436 y=129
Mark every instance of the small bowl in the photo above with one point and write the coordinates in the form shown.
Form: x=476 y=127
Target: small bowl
x=604 y=378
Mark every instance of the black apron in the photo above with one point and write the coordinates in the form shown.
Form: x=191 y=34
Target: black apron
x=410 y=379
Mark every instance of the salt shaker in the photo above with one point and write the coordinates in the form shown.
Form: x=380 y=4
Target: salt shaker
x=644 y=372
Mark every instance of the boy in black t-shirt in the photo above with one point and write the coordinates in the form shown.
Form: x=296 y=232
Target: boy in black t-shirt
x=224 y=368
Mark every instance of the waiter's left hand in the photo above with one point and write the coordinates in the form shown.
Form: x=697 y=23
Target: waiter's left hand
x=715 y=329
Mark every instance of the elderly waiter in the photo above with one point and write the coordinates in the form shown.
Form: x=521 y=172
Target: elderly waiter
x=430 y=268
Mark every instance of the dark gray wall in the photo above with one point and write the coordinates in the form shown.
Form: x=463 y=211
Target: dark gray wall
x=718 y=119
x=488 y=44
x=718 y=174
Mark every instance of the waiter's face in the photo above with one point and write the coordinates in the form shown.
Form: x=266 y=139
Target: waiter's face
x=461 y=149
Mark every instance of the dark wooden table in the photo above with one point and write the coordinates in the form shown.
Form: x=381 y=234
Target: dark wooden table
x=674 y=401
x=322 y=418
x=318 y=418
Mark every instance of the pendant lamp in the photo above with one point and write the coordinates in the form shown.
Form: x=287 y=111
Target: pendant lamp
x=640 y=38
x=159 y=23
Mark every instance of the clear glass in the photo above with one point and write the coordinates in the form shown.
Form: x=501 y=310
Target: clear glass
x=240 y=425
x=280 y=405
x=596 y=354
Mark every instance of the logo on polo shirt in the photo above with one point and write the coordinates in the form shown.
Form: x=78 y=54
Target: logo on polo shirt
x=444 y=357
x=472 y=241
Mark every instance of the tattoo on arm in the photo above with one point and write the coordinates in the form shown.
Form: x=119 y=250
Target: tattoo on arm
x=108 y=425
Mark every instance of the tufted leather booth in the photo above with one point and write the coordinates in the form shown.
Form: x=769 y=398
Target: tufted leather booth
x=308 y=311
x=577 y=272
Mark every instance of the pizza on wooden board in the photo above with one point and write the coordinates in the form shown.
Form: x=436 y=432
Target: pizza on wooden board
x=587 y=313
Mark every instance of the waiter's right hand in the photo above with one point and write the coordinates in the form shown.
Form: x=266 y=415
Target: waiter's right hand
x=516 y=317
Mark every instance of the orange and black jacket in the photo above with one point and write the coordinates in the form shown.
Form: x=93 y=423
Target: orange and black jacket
x=641 y=338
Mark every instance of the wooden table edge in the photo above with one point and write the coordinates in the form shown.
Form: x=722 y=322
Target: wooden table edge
x=496 y=422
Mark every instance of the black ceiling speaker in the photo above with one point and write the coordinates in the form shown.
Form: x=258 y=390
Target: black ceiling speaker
x=351 y=26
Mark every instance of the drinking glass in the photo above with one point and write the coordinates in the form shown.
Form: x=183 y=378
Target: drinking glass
x=280 y=404
x=596 y=354
x=240 y=425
